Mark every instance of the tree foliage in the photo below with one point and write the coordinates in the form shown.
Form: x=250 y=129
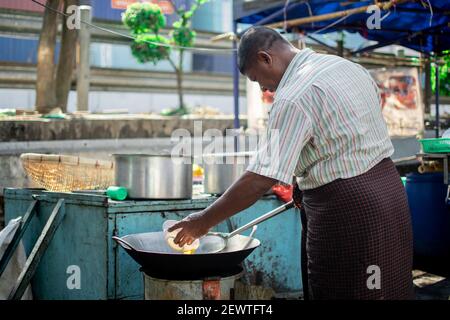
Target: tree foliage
x=145 y=21
x=444 y=77
x=143 y=17
x=146 y=49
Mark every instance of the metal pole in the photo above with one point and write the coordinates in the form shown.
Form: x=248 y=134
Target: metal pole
x=427 y=94
x=437 y=97
x=235 y=86
x=235 y=81
x=83 y=74
x=340 y=48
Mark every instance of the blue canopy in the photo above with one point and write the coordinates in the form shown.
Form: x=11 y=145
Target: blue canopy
x=411 y=24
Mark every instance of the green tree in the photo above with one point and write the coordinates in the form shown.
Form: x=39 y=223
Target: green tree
x=444 y=77
x=145 y=21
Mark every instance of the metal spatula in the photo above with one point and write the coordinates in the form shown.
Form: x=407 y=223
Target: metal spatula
x=215 y=242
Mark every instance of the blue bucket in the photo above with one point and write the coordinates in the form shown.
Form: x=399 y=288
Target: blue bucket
x=430 y=214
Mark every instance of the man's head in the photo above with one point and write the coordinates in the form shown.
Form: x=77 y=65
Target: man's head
x=264 y=55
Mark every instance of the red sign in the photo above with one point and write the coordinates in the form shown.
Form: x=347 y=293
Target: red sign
x=121 y=4
x=166 y=6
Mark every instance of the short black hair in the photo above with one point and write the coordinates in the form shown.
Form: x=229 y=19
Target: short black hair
x=254 y=40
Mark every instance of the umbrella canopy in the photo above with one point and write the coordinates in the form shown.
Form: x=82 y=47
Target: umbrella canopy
x=422 y=25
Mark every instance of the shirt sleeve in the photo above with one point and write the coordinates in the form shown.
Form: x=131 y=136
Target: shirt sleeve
x=288 y=131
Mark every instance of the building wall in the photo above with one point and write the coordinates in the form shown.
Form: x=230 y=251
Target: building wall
x=22 y=5
x=21 y=49
x=130 y=102
x=214 y=16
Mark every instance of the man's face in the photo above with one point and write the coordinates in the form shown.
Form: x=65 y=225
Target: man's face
x=265 y=71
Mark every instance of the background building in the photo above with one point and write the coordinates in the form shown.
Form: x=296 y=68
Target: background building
x=119 y=81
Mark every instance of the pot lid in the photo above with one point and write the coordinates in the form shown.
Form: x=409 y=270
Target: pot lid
x=149 y=155
x=231 y=154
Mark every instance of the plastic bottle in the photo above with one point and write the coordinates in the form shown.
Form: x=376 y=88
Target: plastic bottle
x=117 y=193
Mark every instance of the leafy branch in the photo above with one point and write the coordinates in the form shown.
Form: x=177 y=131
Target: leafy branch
x=145 y=20
x=444 y=75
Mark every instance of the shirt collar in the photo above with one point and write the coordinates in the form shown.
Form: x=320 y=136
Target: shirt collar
x=296 y=62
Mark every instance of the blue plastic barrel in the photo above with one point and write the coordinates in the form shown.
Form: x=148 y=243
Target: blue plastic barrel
x=430 y=214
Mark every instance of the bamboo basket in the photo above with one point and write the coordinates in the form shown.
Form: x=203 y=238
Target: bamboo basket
x=68 y=173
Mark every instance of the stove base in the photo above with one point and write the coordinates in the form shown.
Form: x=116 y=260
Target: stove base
x=211 y=288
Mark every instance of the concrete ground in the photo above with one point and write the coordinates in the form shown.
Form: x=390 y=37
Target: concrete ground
x=432 y=279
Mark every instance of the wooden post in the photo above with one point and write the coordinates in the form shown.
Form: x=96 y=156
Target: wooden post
x=45 y=69
x=38 y=251
x=66 y=61
x=17 y=236
x=83 y=74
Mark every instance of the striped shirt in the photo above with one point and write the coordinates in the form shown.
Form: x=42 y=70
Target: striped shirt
x=325 y=123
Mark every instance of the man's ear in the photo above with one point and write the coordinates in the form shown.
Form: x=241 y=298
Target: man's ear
x=264 y=57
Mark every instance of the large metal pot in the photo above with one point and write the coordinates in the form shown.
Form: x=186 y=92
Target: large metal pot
x=222 y=170
x=148 y=176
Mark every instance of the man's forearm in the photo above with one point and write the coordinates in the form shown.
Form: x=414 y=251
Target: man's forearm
x=241 y=195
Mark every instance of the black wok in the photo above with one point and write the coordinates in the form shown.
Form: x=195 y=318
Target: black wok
x=157 y=259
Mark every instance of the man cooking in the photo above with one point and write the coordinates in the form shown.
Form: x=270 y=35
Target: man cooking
x=332 y=138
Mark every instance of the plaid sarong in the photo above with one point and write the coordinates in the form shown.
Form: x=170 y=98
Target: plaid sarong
x=357 y=229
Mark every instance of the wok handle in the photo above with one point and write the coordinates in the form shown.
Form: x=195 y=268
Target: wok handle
x=123 y=243
x=262 y=218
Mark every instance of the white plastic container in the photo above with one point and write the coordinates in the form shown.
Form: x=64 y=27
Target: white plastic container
x=170 y=237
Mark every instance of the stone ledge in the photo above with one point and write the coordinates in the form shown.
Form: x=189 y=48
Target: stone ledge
x=32 y=128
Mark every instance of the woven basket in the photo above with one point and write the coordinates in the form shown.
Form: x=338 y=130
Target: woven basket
x=68 y=173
